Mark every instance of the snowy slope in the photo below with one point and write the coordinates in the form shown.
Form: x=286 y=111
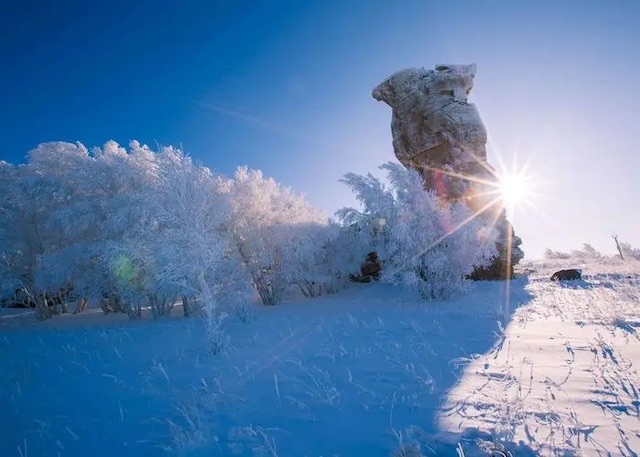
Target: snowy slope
x=367 y=372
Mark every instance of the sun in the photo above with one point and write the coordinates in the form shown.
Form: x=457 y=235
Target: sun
x=513 y=188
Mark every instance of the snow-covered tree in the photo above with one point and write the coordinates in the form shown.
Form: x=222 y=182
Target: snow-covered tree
x=95 y=204
x=31 y=196
x=587 y=252
x=551 y=254
x=340 y=255
x=182 y=247
x=65 y=169
x=134 y=226
x=420 y=240
x=628 y=251
x=275 y=233
x=12 y=244
x=313 y=256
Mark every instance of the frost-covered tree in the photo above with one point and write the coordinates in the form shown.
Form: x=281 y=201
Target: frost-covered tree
x=182 y=247
x=550 y=254
x=65 y=169
x=30 y=198
x=341 y=255
x=628 y=251
x=13 y=266
x=275 y=233
x=317 y=257
x=132 y=227
x=96 y=204
x=587 y=252
x=420 y=240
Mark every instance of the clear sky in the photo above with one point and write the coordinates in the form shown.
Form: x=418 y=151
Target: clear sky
x=285 y=86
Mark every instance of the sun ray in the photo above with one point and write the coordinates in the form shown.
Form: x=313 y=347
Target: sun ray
x=483 y=163
x=498 y=153
x=507 y=273
x=449 y=233
x=458 y=175
x=485 y=194
x=494 y=219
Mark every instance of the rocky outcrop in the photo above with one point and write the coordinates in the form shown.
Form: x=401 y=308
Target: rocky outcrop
x=438 y=132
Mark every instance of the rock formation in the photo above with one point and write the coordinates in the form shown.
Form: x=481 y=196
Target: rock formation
x=436 y=131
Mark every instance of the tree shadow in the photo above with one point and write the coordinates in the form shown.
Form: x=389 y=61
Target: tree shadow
x=374 y=363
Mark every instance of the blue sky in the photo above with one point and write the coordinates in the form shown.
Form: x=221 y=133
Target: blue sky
x=286 y=87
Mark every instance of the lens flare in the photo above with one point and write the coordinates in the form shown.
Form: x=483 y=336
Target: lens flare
x=124 y=269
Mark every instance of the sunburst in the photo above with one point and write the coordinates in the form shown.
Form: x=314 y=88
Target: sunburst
x=508 y=190
x=514 y=188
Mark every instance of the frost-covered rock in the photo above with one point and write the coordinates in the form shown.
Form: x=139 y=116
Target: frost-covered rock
x=433 y=125
x=438 y=132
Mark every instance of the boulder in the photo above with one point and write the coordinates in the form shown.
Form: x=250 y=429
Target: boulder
x=567 y=275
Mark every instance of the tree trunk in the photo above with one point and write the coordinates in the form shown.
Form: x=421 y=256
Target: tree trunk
x=42 y=307
x=186 y=307
x=615 y=238
x=81 y=305
x=116 y=304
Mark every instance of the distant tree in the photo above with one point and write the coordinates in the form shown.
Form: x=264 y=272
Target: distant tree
x=587 y=252
x=628 y=251
x=590 y=252
x=550 y=254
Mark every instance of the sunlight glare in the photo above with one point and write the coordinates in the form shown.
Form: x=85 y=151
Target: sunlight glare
x=513 y=188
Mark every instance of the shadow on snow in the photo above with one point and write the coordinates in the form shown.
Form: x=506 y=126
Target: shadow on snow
x=363 y=372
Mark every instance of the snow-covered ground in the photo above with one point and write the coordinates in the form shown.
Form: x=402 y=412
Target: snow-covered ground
x=539 y=367
x=563 y=378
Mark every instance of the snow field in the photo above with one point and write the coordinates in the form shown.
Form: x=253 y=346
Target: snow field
x=535 y=368
x=357 y=373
